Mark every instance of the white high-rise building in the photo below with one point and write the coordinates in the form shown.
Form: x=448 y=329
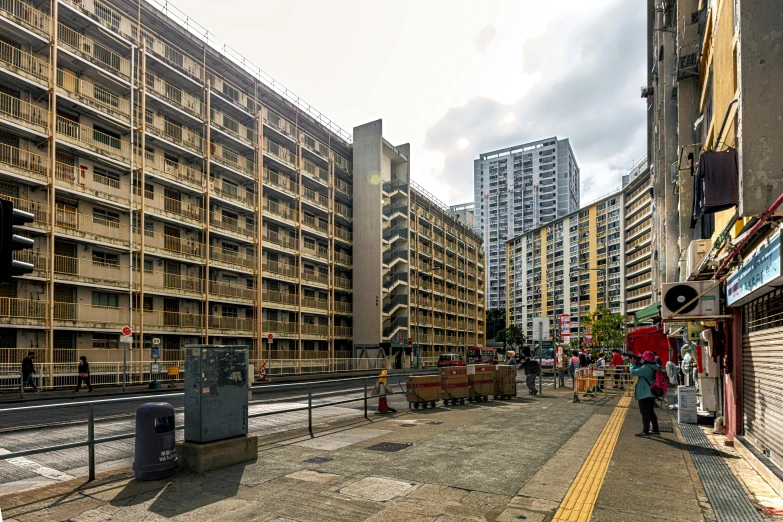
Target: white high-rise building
x=518 y=189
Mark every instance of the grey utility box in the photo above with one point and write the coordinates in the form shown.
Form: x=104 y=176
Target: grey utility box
x=216 y=384
x=156 y=454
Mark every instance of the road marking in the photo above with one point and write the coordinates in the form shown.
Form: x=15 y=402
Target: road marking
x=579 y=502
x=30 y=465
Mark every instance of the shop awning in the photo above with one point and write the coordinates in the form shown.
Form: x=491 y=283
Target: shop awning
x=647 y=313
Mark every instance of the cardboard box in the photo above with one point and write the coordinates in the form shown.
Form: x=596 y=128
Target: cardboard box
x=481 y=380
x=454 y=382
x=422 y=388
x=505 y=380
x=686 y=404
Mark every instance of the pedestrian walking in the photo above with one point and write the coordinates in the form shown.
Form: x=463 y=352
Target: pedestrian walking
x=600 y=364
x=583 y=360
x=561 y=363
x=28 y=371
x=84 y=375
x=644 y=368
x=617 y=359
x=532 y=369
x=573 y=366
x=511 y=359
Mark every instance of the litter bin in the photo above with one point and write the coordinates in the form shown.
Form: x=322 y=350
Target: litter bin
x=156 y=451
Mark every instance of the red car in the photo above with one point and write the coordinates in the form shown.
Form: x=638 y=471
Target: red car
x=450 y=359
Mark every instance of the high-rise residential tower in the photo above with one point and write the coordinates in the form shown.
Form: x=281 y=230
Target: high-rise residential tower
x=516 y=190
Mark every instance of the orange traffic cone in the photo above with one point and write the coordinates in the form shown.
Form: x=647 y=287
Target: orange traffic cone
x=381 y=388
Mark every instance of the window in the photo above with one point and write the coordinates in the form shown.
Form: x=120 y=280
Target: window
x=105 y=218
x=105 y=341
x=230 y=311
x=106 y=137
x=230 y=92
x=105 y=259
x=106 y=177
x=105 y=299
x=149 y=189
x=148 y=265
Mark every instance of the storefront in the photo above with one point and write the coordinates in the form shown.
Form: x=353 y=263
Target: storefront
x=754 y=373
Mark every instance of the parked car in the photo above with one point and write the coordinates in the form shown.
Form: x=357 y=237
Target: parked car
x=450 y=359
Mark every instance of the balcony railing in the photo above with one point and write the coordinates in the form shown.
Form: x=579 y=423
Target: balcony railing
x=283 y=240
x=235 y=291
x=91 y=227
x=320 y=200
x=315 y=330
x=281 y=182
x=281 y=269
x=175 y=208
x=174 y=132
x=279 y=298
x=233 y=193
x=279 y=123
x=243 y=134
x=24 y=163
x=25 y=114
x=231 y=159
x=231 y=257
x=93 y=95
x=26 y=15
x=24 y=64
x=315 y=223
x=82 y=136
x=315 y=303
x=315 y=172
x=93 y=51
x=280 y=210
x=228 y=224
x=280 y=153
x=341 y=307
x=181 y=173
x=343 y=234
x=174 y=95
x=281 y=327
x=343 y=259
x=315 y=277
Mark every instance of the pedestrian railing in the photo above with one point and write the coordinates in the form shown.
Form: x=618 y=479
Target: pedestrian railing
x=12 y=381
x=607 y=381
x=91 y=440
x=66 y=375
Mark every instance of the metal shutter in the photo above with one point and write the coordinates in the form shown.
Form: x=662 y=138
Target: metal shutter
x=762 y=389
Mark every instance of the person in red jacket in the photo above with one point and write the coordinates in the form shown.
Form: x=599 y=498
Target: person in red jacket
x=617 y=362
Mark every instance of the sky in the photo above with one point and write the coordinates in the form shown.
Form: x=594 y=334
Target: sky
x=455 y=78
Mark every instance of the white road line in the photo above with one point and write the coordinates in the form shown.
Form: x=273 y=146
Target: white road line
x=29 y=465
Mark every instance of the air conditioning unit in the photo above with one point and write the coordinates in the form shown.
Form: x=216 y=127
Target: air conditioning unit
x=676 y=295
x=697 y=249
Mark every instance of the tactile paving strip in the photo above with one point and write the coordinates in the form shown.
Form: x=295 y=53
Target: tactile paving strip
x=728 y=499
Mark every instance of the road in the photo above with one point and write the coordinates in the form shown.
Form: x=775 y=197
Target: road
x=27 y=430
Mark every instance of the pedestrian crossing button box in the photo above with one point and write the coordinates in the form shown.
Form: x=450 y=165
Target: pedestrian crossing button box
x=216 y=384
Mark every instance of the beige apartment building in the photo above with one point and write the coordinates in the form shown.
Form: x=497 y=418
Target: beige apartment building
x=176 y=188
x=597 y=256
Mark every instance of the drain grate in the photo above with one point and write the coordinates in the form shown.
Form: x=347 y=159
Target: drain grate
x=318 y=460
x=435 y=423
x=726 y=496
x=666 y=429
x=389 y=446
x=408 y=425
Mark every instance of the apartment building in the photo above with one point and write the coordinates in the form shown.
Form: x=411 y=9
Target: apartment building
x=177 y=191
x=430 y=286
x=579 y=262
x=518 y=189
x=465 y=212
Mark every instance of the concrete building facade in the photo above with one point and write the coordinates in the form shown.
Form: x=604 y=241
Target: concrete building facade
x=176 y=190
x=579 y=262
x=517 y=189
x=422 y=266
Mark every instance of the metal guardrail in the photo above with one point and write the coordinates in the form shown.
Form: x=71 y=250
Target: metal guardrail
x=92 y=441
x=6 y=376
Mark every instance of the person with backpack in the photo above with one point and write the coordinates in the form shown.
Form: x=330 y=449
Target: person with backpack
x=532 y=369
x=573 y=366
x=650 y=383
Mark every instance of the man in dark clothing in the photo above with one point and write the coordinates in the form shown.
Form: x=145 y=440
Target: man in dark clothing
x=28 y=370
x=532 y=369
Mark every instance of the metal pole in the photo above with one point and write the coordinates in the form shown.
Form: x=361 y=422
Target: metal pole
x=310 y=409
x=91 y=441
x=21 y=385
x=540 y=357
x=124 y=363
x=365 y=398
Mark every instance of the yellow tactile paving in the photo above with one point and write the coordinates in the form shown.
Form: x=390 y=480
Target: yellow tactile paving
x=579 y=502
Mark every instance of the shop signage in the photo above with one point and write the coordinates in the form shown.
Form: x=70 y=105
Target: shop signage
x=758 y=275
x=565 y=328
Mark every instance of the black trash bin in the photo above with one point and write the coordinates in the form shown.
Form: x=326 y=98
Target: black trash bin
x=156 y=451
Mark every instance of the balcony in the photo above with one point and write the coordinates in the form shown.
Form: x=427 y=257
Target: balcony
x=282 y=211
x=23 y=163
x=343 y=187
x=343 y=259
x=281 y=328
x=174 y=95
x=174 y=132
x=175 y=284
x=23 y=114
x=24 y=64
x=241 y=133
x=315 y=172
x=238 y=195
x=93 y=52
x=316 y=199
x=83 y=137
x=341 y=307
x=314 y=250
x=281 y=182
x=341 y=163
x=232 y=292
x=341 y=233
x=180 y=173
x=26 y=15
x=280 y=153
x=175 y=209
x=320 y=331
x=343 y=283
x=343 y=332
x=318 y=278
x=284 y=299
x=231 y=325
x=281 y=240
x=314 y=303
x=93 y=96
x=316 y=224
x=232 y=160
x=282 y=270
x=232 y=227
x=280 y=124
x=94 y=227
x=174 y=246
x=315 y=146
x=343 y=210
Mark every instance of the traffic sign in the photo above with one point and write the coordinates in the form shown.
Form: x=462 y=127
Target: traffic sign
x=156 y=341
x=126 y=330
x=126 y=339
x=269 y=338
x=155 y=353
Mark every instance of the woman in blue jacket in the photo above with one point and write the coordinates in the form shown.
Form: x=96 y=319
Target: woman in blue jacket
x=643 y=368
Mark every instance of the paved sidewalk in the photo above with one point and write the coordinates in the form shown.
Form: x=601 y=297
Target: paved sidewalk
x=499 y=461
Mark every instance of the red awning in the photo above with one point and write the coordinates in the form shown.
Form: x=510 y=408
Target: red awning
x=651 y=339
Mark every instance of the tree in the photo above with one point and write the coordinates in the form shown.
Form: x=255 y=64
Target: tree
x=496 y=321
x=511 y=335
x=607 y=328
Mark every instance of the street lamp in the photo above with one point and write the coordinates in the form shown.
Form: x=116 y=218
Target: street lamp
x=579 y=270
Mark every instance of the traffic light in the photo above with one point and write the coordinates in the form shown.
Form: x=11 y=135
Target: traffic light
x=10 y=242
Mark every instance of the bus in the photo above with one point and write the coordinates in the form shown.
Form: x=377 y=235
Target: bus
x=547 y=356
x=482 y=354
